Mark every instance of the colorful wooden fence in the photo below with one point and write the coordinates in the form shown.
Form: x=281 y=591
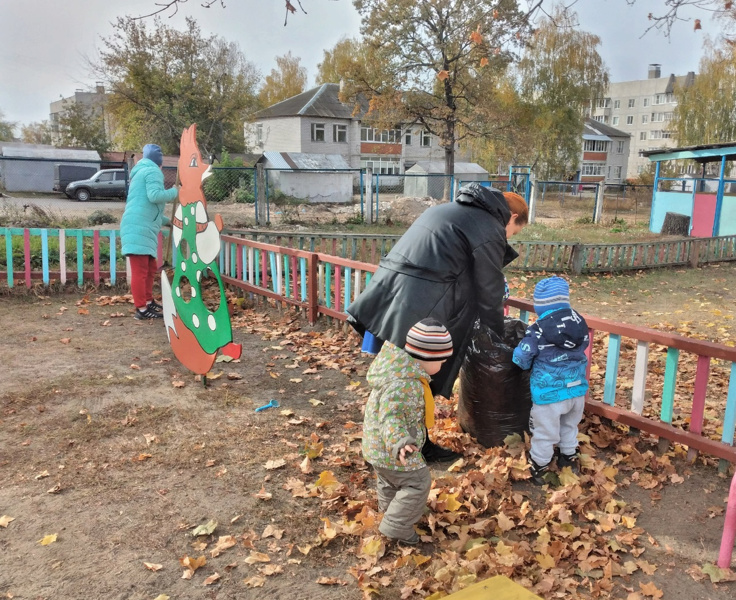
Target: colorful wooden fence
x=64 y=255
x=533 y=256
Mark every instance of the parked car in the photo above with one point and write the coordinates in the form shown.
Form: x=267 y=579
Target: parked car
x=108 y=183
x=65 y=174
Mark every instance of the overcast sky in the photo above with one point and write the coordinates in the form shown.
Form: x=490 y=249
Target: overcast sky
x=44 y=42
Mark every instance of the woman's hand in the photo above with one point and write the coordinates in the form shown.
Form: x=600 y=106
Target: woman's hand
x=408 y=449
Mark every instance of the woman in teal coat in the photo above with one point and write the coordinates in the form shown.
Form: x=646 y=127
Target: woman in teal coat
x=140 y=226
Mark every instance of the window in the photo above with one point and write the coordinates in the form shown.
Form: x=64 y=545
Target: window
x=407 y=137
x=642 y=135
x=645 y=119
x=620 y=147
x=630 y=120
x=604 y=102
x=660 y=134
x=646 y=102
x=661 y=98
x=105 y=177
x=657 y=117
x=592 y=169
x=616 y=104
x=426 y=139
x=615 y=121
x=318 y=132
x=119 y=176
x=386 y=136
x=640 y=168
x=600 y=118
x=617 y=172
x=668 y=116
x=595 y=146
x=259 y=133
x=340 y=133
x=632 y=102
x=381 y=165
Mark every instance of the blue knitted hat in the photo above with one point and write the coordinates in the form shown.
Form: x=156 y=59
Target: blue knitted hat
x=551 y=294
x=153 y=152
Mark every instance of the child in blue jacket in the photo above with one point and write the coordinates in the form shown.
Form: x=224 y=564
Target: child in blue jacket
x=554 y=349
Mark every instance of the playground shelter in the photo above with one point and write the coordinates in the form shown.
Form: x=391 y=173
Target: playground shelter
x=710 y=202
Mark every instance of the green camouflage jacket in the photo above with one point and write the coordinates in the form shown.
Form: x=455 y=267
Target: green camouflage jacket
x=394 y=414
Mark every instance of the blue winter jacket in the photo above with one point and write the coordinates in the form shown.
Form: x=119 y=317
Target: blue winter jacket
x=554 y=349
x=144 y=209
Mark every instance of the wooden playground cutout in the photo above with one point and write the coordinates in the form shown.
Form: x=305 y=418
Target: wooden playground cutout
x=195 y=332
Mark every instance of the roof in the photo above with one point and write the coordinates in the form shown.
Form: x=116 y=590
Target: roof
x=20 y=150
x=322 y=101
x=438 y=166
x=686 y=81
x=702 y=153
x=287 y=161
x=593 y=130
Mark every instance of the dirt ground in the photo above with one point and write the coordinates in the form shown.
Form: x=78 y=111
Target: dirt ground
x=112 y=449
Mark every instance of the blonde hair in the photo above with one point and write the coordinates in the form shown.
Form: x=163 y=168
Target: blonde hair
x=518 y=206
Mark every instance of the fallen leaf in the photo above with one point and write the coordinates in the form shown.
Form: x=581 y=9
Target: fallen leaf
x=47 y=539
x=135 y=367
x=315 y=402
x=271 y=531
x=211 y=579
x=54 y=490
x=191 y=565
x=257 y=557
x=152 y=566
x=205 y=529
x=651 y=590
x=223 y=543
x=234 y=376
x=274 y=464
x=42 y=474
x=331 y=581
x=65 y=340
x=161 y=597
x=254 y=581
x=178 y=383
x=5 y=520
x=263 y=494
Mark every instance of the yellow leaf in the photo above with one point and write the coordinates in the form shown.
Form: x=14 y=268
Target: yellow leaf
x=161 y=597
x=315 y=402
x=327 y=480
x=274 y=464
x=223 y=543
x=545 y=561
x=5 y=520
x=47 y=539
x=420 y=559
x=450 y=501
x=211 y=579
x=372 y=546
x=651 y=590
x=152 y=566
x=629 y=522
x=442 y=75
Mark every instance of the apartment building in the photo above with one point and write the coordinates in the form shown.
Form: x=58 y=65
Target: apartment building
x=605 y=153
x=644 y=109
x=316 y=122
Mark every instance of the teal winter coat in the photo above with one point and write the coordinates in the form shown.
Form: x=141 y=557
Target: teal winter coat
x=144 y=209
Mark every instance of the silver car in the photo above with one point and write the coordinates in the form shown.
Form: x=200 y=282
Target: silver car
x=108 y=183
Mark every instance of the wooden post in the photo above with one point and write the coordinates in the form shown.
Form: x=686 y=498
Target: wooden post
x=312 y=299
x=695 y=247
x=261 y=200
x=576 y=258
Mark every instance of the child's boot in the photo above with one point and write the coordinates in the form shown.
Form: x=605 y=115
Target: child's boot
x=569 y=460
x=537 y=472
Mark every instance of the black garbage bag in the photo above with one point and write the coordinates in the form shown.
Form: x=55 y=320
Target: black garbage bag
x=495 y=399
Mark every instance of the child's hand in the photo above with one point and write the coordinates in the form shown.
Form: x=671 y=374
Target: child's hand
x=408 y=449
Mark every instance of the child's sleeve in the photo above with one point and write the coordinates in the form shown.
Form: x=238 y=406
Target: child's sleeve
x=527 y=350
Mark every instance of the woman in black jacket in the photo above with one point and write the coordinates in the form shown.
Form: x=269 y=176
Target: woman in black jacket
x=448 y=266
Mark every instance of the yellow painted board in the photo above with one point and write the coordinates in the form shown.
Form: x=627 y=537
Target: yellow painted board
x=495 y=588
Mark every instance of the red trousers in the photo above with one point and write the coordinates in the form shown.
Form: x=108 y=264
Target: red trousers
x=142 y=271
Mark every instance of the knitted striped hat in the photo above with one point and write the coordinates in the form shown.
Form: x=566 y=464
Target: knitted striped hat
x=551 y=294
x=429 y=340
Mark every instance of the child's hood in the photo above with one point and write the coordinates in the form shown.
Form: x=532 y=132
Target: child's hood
x=564 y=328
x=393 y=363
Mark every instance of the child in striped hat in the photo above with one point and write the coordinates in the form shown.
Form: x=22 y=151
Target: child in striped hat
x=398 y=413
x=554 y=349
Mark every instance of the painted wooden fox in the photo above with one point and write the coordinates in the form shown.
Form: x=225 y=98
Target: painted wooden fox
x=195 y=332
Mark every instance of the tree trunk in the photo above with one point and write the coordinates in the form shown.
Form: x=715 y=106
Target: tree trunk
x=676 y=224
x=449 y=143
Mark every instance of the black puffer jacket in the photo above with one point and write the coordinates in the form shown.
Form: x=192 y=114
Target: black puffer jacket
x=448 y=266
